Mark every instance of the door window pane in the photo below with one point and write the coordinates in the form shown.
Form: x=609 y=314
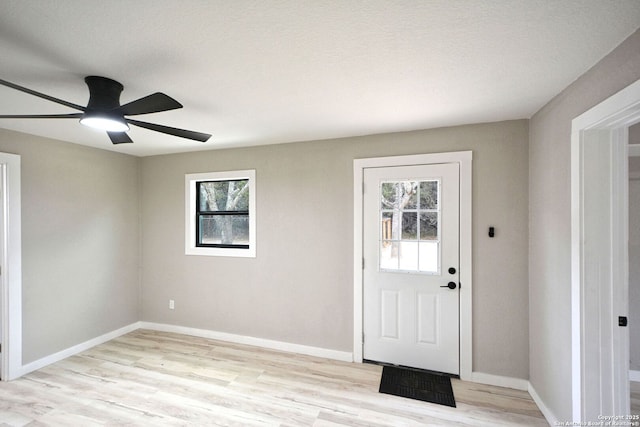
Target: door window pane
x=399 y=195
x=410 y=226
x=389 y=255
x=428 y=225
x=429 y=195
x=389 y=229
x=408 y=259
x=428 y=258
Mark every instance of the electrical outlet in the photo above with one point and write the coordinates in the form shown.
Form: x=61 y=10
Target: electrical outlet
x=172 y=304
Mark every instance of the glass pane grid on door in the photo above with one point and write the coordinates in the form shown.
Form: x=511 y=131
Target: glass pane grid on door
x=410 y=226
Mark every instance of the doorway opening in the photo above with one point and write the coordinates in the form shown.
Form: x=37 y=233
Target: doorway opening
x=600 y=263
x=634 y=267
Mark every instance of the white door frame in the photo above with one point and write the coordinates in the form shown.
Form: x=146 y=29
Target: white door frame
x=599 y=267
x=464 y=159
x=634 y=151
x=11 y=264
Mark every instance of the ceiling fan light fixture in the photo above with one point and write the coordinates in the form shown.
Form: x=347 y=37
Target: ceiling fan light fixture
x=104 y=112
x=105 y=122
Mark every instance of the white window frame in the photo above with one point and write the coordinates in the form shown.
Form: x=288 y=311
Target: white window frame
x=190 y=181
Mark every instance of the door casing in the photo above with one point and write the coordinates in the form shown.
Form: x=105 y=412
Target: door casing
x=11 y=264
x=464 y=159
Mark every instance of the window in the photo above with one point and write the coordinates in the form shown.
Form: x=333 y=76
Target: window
x=409 y=226
x=220 y=214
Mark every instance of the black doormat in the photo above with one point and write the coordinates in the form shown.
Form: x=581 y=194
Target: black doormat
x=417 y=385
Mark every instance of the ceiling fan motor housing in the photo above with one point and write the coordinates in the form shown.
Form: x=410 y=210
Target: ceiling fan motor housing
x=103 y=110
x=104 y=93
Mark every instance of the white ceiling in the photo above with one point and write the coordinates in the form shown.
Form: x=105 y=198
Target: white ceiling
x=266 y=71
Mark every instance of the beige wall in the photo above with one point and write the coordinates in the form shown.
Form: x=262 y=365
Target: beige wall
x=550 y=221
x=299 y=287
x=79 y=242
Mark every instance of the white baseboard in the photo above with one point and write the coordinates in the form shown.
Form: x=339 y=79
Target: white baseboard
x=548 y=415
x=634 y=375
x=56 y=357
x=343 y=356
x=500 y=381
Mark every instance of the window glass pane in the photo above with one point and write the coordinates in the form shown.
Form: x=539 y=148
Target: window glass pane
x=409 y=194
x=429 y=257
x=391 y=222
x=204 y=188
x=429 y=195
x=388 y=195
x=399 y=195
x=410 y=226
x=387 y=226
x=224 y=195
x=224 y=229
x=389 y=255
x=408 y=259
x=428 y=225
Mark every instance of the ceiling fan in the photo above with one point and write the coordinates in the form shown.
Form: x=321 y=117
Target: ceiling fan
x=104 y=111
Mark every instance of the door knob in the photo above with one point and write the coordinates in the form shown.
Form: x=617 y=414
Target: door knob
x=450 y=285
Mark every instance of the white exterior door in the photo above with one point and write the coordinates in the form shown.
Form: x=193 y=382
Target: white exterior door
x=411 y=217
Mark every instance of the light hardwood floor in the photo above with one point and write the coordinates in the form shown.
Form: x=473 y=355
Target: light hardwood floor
x=156 y=378
x=635 y=397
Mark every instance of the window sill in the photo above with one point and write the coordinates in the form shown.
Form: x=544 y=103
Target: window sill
x=224 y=252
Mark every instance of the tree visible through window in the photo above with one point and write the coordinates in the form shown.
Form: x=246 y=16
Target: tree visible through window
x=223 y=214
x=220 y=213
x=409 y=235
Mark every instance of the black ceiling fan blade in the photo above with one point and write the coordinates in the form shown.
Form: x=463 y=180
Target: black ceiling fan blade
x=153 y=103
x=182 y=133
x=119 y=137
x=42 y=95
x=42 y=116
